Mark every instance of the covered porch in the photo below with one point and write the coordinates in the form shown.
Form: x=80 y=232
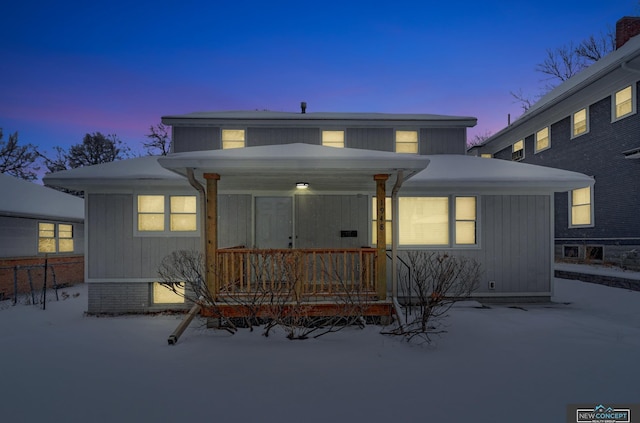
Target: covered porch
x=297 y=255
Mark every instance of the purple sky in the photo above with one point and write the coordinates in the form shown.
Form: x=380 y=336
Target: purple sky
x=70 y=68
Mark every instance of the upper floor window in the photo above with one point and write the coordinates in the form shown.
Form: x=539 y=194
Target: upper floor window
x=581 y=206
x=543 y=141
x=233 y=138
x=333 y=138
x=156 y=213
x=579 y=123
x=407 y=142
x=55 y=238
x=623 y=104
x=517 y=152
x=486 y=155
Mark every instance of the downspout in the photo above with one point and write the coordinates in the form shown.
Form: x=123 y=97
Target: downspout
x=173 y=338
x=394 y=245
x=203 y=204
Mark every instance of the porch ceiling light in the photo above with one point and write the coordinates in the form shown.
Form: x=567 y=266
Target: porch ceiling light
x=302 y=185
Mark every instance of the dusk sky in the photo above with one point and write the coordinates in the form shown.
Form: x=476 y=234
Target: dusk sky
x=71 y=68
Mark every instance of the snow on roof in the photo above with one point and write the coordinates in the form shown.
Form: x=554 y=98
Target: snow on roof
x=474 y=173
x=270 y=115
x=23 y=198
x=143 y=169
x=260 y=166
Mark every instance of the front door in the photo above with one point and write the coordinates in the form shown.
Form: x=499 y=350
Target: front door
x=273 y=222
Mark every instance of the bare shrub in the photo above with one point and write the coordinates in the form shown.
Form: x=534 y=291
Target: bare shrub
x=436 y=281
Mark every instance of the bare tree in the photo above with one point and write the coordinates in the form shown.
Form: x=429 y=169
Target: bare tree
x=18 y=160
x=595 y=48
x=479 y=139
x=562 y=63
x=159 y=140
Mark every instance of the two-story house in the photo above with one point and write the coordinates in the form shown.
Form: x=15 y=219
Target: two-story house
x=588 y=124
x=356 y=190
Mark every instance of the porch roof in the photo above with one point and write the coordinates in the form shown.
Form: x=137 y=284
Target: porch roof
x=278 y=167
x=475 y=174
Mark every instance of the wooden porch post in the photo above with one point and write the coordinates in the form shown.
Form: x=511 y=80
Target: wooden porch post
x=211 y=234
x=381 y=232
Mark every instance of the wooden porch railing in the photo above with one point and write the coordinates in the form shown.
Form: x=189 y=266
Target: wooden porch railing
x=305 y=272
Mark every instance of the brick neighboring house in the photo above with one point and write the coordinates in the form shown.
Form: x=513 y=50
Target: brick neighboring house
x=588 y=124
x=38 y=222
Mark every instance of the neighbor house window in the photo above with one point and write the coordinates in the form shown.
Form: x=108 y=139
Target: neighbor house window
x=486 y=155
x=407 y=142
x=172 y=213
x=579 y=123
x=623 y=103
x=466 y=220
x=517 y=151
x=233 y=138
x=55 y=238
x=581 y=207
x=168 y=293
x=543 y=140
x=333 y=139
x=423 y=220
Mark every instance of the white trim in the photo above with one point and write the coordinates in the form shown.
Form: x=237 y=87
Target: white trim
x=535 y=140
x=591 y=209
x=167 y=232
x=614 y=118
x=587 y=122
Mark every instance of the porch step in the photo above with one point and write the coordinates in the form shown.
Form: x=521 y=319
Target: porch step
x=382 y=309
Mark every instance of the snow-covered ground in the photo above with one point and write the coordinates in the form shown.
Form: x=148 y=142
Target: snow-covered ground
x=497 y=364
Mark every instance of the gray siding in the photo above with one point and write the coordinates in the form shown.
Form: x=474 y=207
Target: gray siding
x=113 y=251
x=321 y=218
x=193 y=138
x=234 y=217
x=516 y=244
x=275 y=136
x=381 y=139
x=20 y=236
x=443 y=141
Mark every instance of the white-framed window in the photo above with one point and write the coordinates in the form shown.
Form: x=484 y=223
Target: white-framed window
x=55 y=237
x=407 y=142
x=623 y=103
x=517 y=150
x=579 y=122
x=466 y=221
x=166 y=214
x=163 y=294
x=446 y=221
x=233 y=138
x=581 y=207
x=543 y=139
x=333 y=138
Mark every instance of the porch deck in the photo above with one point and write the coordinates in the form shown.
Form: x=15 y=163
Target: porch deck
x=315 y=282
